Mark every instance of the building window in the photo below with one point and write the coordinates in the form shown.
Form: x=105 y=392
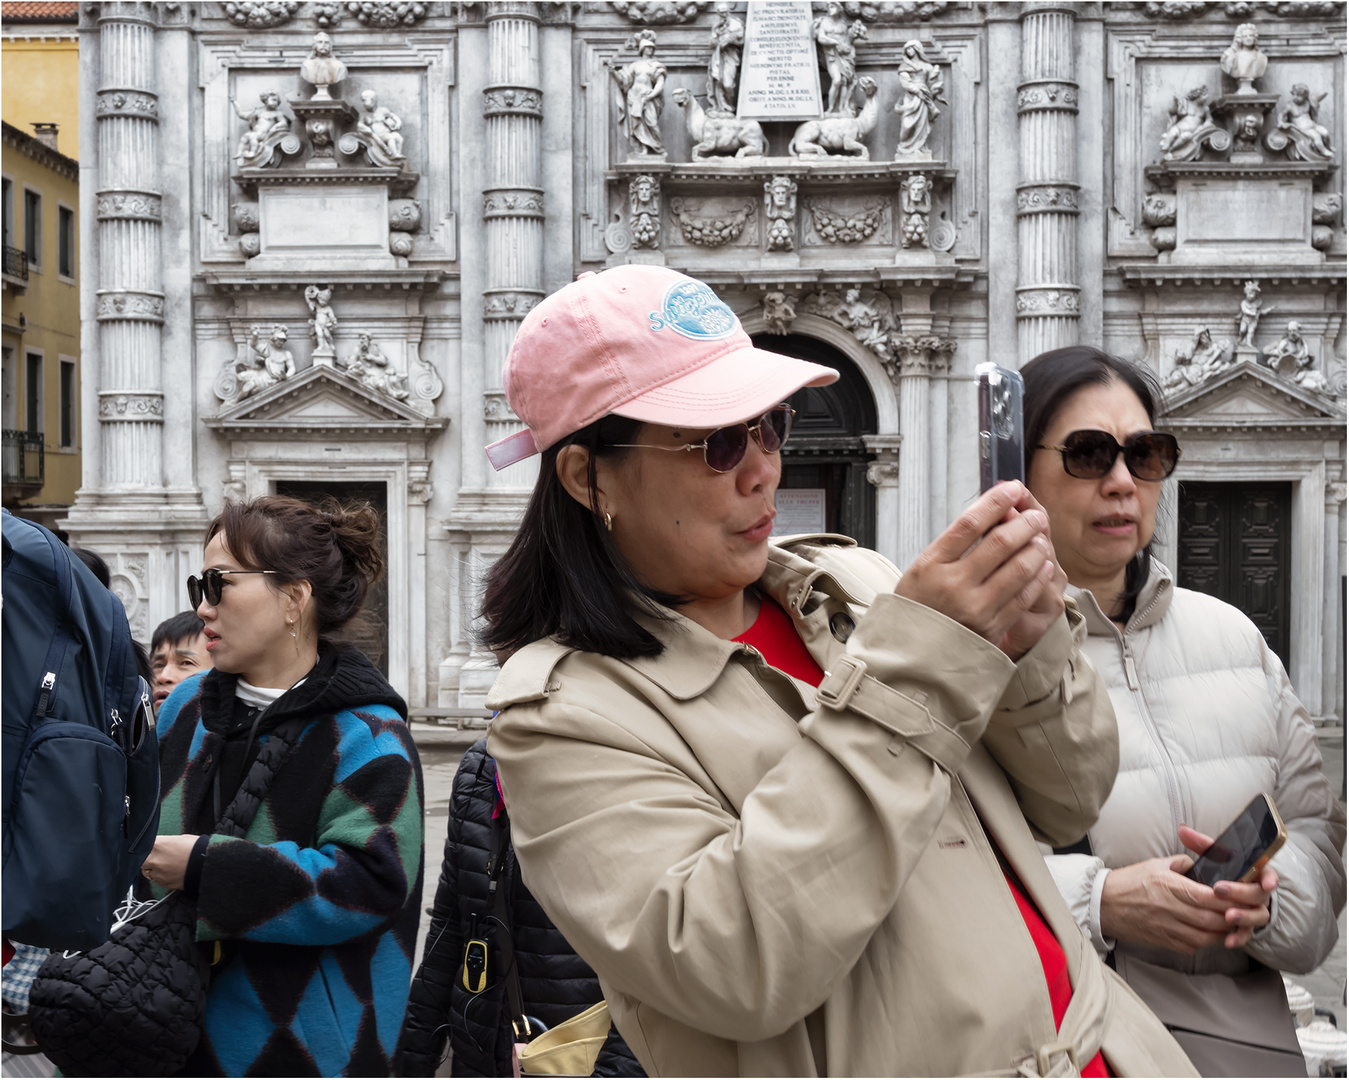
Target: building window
x=32 y=228
x=69 y=403
x=65 y=239
x=9 y=212
x=33 y=393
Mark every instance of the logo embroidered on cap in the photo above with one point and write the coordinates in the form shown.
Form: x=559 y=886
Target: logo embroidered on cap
x=692 y=310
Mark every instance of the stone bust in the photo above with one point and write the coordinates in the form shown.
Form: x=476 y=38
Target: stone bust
x=322 y=68
x=1243 y=59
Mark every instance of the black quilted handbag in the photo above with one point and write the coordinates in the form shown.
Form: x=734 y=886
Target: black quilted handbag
x=135 y=1005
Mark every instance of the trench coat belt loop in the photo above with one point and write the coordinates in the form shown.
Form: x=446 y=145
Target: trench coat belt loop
x=1083 y=1028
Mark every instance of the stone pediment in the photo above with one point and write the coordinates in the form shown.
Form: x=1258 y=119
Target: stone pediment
x=1248 y=396
x=323 y=400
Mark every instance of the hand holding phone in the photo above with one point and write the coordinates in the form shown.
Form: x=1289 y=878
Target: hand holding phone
x=1242 y=849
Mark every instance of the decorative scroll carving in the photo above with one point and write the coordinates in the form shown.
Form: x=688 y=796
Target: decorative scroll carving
x=714 y=135
x=114 y=405
x=262 y=14
x=508 y=305
x=883 y=473
x=660 y=12
x=126 y=103
x=1298 y=134
x=322 y=325
x=642 y=83
x=112 y=306
x=710 y=231
x=405 y=215
x=779 y=197
x=915 y=203
x=1198 y=361
x=840 y=136
x=517 y=203
x=924 y=354
x=1047 y=95
x=518 y=100
x=1039 y=301
x=371 y=368
x=644 y=210
x=386 y=16
x=1159 y=209
x=1326 y=208
x=1192 y=127
x=922 y=84
x=419 y=491
x=617 y=239
x=496 y=408
x=250 y=244
x=845 y=228
x=427 y=386
x=400 y=244
x=1046 y=198
x=129 y=204
x=1163 y=239
x=779 y=312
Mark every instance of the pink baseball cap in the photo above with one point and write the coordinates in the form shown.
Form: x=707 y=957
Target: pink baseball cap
x=644 y=342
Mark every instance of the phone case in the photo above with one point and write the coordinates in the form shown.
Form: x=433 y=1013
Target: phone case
x=1253 y=874
x=1002 y=453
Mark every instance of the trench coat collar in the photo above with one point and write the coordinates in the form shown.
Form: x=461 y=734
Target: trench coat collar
x=694 y=657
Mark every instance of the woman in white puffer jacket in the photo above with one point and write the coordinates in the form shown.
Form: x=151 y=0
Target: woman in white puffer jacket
x=1207 y=721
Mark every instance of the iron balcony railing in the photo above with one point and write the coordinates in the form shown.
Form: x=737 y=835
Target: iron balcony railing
x=16 y=263
x=23 y=458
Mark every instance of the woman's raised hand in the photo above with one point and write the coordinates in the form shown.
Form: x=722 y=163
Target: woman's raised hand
x=993 y=570
x=1247 y=903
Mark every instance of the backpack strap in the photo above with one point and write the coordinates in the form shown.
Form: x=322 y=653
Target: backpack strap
x=56 y=652
x=501 y=910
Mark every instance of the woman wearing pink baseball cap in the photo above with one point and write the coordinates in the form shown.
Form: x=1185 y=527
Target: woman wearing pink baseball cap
x=782 y=799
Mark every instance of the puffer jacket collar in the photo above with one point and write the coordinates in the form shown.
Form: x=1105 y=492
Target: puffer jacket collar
x=694 y=657
x=1153 y=601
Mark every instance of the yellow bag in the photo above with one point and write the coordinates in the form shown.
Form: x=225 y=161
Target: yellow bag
x=570 y=1049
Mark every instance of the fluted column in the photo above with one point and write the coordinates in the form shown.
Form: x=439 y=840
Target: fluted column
x=512 y=203
x=1047 y=195
x=911 y=372
x=130 y=302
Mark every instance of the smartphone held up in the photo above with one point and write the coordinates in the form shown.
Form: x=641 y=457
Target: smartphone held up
x=1002 y=446
x=1244 y=847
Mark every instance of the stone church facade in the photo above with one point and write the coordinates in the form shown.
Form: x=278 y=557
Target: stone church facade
x=313 y=229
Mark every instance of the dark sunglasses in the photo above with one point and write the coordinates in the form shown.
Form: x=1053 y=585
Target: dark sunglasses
x=210 y=583
x=1091 y=454
x=725 y=448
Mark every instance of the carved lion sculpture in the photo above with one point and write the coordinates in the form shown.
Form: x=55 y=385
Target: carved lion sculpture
x=719 y=135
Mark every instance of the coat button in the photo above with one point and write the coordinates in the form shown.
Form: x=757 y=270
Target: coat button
x=841 y=625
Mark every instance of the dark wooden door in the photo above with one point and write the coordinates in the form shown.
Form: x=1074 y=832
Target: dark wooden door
x=1235 y=544
x=370 y=630
x=826 y=453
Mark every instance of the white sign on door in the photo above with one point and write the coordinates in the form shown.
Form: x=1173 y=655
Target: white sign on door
x=800 y=510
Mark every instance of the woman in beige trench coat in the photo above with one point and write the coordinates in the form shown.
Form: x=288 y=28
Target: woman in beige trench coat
x=784 y=801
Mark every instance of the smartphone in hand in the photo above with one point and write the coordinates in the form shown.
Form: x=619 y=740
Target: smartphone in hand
x=1244 y=847
x=1002 y=444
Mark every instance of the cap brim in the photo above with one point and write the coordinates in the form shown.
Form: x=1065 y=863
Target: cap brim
x=732 y=388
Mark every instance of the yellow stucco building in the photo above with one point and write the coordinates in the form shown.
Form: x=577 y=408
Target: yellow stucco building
x=40 y=373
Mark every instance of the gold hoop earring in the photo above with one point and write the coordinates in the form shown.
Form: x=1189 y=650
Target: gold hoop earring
x=608 y=522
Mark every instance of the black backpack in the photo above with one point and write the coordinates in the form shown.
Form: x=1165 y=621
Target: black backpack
x=80 y=759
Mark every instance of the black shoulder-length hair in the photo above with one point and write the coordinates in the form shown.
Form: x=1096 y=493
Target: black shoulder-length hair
x=1054 y=376
x=563 y=576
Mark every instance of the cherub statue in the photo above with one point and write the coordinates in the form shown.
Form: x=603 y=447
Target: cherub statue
x=1249 y=317
x=274 y=361
x=643 y=86
x=264 y=120
x=1291 y=358
x=381 y=127
x=779 y=312
x=1191 y=126
x=1197 y=360
x=1243 y=60
x=1298 y=121
x=369 y=364
x=322 y=68
x=324 y=322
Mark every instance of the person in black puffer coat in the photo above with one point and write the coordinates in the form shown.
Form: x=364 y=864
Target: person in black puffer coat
x=555 y=983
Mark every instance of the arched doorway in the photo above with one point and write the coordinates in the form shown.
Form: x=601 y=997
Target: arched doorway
x=824 y=465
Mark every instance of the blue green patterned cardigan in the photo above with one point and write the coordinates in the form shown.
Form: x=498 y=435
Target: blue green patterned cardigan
x=317 y=907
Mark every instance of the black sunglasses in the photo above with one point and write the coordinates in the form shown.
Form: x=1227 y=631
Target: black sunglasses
x=210 y=583
x=725 y=448
x=1090 y=454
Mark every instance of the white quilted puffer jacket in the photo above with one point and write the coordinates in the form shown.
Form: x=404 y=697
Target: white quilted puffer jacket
x=1207 y=721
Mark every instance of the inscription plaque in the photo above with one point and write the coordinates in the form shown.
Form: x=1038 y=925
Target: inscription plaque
x=780 y=79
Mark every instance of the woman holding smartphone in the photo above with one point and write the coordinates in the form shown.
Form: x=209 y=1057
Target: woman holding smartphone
x=1208 y=721
x=777 y=796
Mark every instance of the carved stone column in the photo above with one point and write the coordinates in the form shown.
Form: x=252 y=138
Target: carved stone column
x=1332 y=660
x=910 y=371
x=512 y=204
x=883 y=475
x=130 y=300
x=1047 y=195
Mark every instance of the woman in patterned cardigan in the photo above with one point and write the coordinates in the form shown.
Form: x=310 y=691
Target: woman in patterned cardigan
x=316 y=909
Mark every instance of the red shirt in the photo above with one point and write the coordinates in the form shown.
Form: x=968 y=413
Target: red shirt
x=775 y=637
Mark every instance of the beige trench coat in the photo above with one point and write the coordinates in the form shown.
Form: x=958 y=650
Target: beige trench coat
x=768 y=884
